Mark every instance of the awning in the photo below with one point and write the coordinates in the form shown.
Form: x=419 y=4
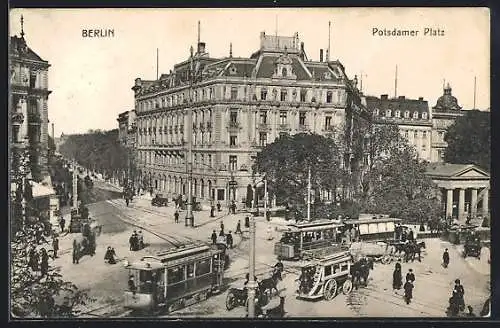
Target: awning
x=40 y=191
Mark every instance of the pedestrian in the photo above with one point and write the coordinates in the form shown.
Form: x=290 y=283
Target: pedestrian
x=214 y=237
x=397 y=278
x=110 y=255
x=460 y=294
x=471 y=312
x=44 y=263
x=221 y=233
x=33 y=259
x=410 y=276
x=233 y=207
x=238 y=227
x=408 y=291
x=76 y=252
x=247 y=222
x=131 y=285
x=454 y=304
x=218 y=207
x=229 y=239
x=446 y=258
x=127 y=200
x=62 y=223
x=222 y=227
x=212 y=210
x=140 y=239
x=55 y=245
x=176 y=216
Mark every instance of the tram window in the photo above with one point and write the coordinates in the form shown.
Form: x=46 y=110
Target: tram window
x=203 y=267
x=190 y=270
x=335 y=268
x=328 y=270
x=175 y=275
x=145 y=276
x=344 y=267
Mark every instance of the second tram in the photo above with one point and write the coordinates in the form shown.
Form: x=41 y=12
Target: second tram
x=298 y=238
x=174 y=279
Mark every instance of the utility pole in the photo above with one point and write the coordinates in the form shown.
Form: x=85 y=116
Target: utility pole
x=396 y=83
x=189 y=210
x=309 y=194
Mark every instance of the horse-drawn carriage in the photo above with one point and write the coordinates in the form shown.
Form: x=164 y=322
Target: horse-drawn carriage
x=159 y=200
x=325 y=277
x=472 y=247
x=78 y=219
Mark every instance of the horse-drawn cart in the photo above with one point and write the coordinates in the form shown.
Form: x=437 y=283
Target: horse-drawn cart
x=379 y=251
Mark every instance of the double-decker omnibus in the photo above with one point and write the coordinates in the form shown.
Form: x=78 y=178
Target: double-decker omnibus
x=306 y=236
x=175 y=278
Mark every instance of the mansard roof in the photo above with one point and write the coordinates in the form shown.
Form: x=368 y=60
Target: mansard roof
x=402 y=104
x=19 y=49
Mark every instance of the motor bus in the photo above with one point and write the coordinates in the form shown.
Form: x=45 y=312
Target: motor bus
x=315 y=236
x=174 y=279
x=325 y=277
x=370 y=228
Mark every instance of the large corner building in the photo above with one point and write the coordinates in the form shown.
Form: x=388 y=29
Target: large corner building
x=238 y=106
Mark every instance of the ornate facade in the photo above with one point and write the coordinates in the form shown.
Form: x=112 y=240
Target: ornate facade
x=238 y=106
x=28 y=104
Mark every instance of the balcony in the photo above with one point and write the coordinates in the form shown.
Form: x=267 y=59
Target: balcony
x=303 y=127
x=233 y=126
x=263 y=127
x=17 y=118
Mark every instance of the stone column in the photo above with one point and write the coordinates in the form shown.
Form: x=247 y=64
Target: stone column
x=461 y=204
x=473 y=202
x=449 y=202
x=486 y=199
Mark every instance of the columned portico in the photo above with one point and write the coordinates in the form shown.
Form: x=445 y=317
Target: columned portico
x=465 y=185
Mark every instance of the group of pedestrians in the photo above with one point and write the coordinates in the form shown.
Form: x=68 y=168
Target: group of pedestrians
x=38 y=261
x=136 y=241
x=222 y=237
x=397 y=282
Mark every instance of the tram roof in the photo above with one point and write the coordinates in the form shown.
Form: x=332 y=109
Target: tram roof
x=368 y=220
x=321 y=223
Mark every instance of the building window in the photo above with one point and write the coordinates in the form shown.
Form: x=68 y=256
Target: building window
x=283 y=95
x=423 y=147
x=329 y=97
x=415 y=134
x=224 y=92
x=234 y=93
x=302 y=118
x=415 y=114
x=424 y=115
x=263 y=139
x=388 y=113
x=282 y=117
x=406 y=134
x=233 y=162
x=424 y=134
x=377 y=112
x=303 y=93
x=407 y=114
x=328 y=122
x=263 y=94
x=232 y=141
x=233 y=117
x=283 y=71
x=210 y=160
x=263 y=117
x=397 y=114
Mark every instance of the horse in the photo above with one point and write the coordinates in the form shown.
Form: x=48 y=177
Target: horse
x=270 y=284
x=360 y=270
x=412 y=249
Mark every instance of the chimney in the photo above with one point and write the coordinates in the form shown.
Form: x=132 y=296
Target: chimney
x=421 y=98
x=201 y=48
x=384 y=97
x=401 y=97
x=321 y=55
x=53 y=135
x=301 y=53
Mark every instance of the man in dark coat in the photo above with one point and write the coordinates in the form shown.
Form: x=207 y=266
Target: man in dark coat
x=408 y=291
x=44 y=263
x=229 y=239
x=176 y=217
x=446 y=258
x=62 y=223
x=410 y=276
x=218 y=207
x=397 y=277
x=460 y=294
x=454 y=307
x=33 y=259
x=212 y=211
x=214 y=237
x=55 y=246
x=222 y=227
x=238 y=227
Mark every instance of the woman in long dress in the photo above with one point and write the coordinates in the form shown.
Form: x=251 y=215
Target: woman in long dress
x=397 y=278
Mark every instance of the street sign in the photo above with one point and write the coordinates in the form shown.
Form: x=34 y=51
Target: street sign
x=233 y=183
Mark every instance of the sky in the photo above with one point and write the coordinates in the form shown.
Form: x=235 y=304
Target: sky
x=91 y=78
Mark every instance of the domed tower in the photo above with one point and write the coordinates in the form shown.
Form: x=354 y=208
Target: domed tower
x=447 y=102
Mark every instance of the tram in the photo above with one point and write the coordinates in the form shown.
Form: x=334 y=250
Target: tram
x=305 y=236
x=371 y=228
x=175 y=278
x=325 y=277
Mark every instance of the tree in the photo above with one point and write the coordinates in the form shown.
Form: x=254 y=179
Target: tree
x=398 y=182
x=31 y=294
x=469 y=140
x=287 y=160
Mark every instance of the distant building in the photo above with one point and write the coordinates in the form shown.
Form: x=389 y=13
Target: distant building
x=127 y=128
x=239 y=106
x=412 y=117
